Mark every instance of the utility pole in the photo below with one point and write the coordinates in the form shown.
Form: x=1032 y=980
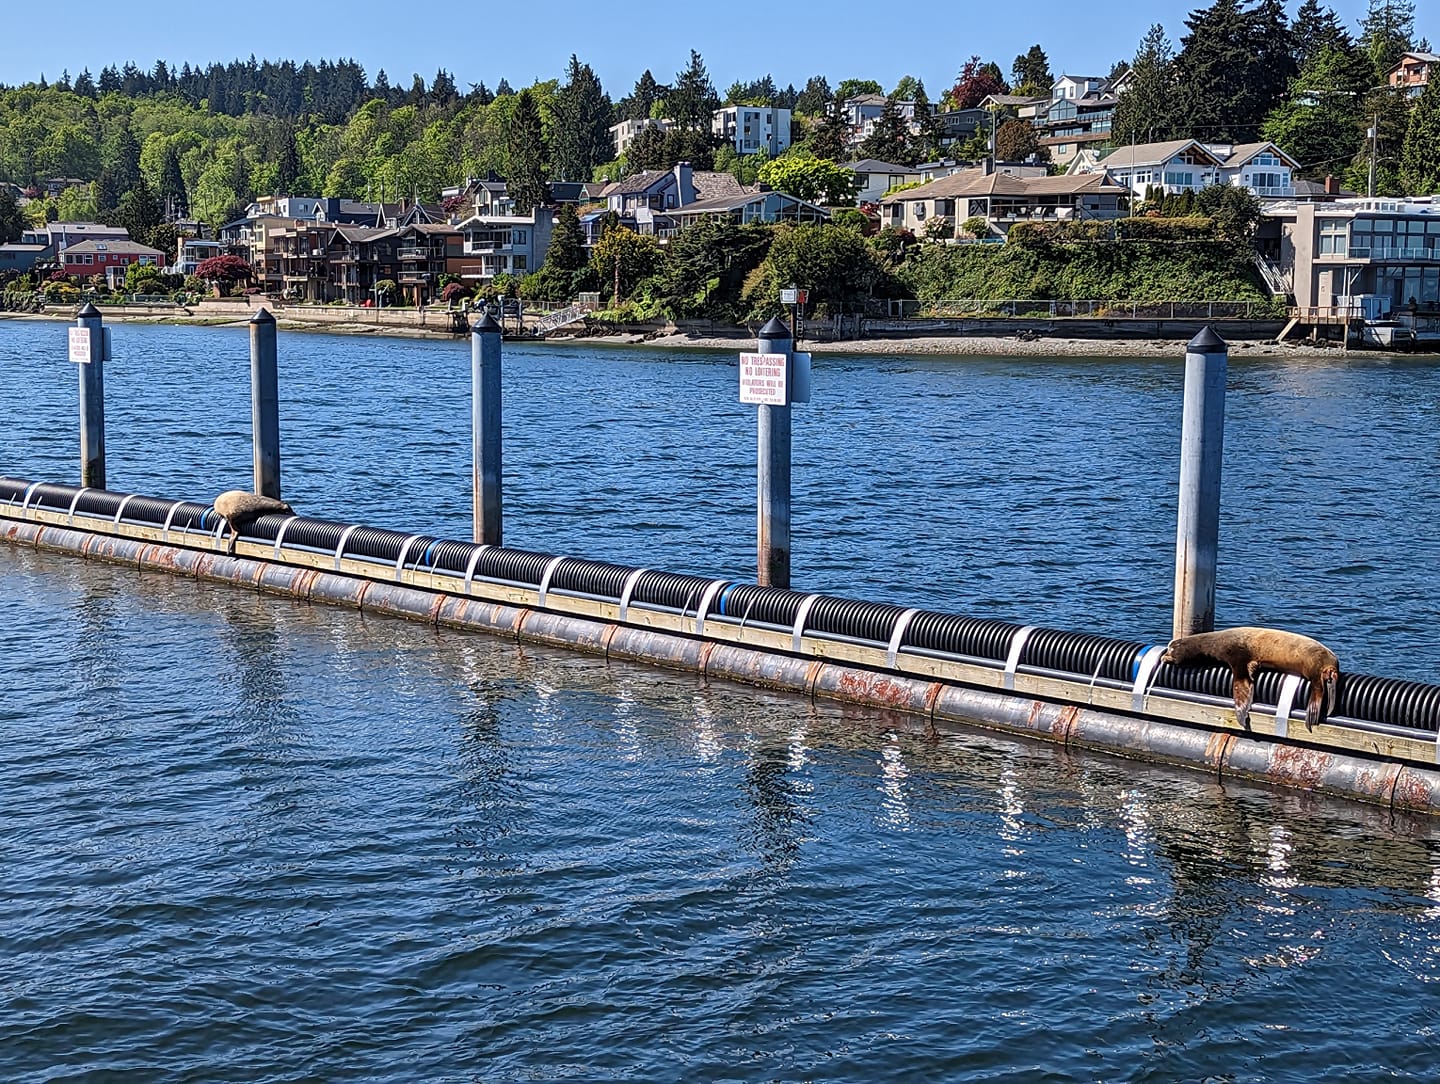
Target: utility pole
x=1374 y=139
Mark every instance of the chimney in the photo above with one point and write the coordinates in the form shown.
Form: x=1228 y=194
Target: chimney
x=684 y=184
x=988 y=165
x=1332 y=185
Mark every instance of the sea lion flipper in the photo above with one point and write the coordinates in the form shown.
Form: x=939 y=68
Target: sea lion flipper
x=1244 y=690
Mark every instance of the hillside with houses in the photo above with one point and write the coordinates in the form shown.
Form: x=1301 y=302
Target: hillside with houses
x=1292 y=161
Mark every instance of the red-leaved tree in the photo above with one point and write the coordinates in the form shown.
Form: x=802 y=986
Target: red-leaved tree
x=224 y=270
x=977 y=79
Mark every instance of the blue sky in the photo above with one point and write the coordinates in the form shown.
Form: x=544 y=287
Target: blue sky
x=739 y=40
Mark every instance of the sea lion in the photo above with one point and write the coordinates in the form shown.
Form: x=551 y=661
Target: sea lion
x=1249 y=650
x=240 y=509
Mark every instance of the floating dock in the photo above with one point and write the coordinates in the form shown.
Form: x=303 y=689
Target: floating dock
x=950 y=672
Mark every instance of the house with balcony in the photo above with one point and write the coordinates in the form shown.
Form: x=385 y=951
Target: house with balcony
x=505 y=244
x=1187 y=165
x=191 y=252
x=425 y=251
x=296 y=261
x=1412 y=73
x=760 y=204
x=753 y=128
x=357 y=258
x=1079 y=115
x=1002 y=200
x=1344 y=248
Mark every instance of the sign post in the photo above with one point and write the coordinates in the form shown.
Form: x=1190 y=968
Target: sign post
x=765 y=381
x=87 y=351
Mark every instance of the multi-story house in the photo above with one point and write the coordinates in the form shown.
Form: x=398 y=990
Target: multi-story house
x=425 y=252
x=191 y=252
x=1344 y=248
x=624 y=133
x=874 y=178
x=1078 y=115
x=1412 y=72
x=358 y=257
x=109 y=258
x=1187 y=165
x=753 y=128
x=504 y=244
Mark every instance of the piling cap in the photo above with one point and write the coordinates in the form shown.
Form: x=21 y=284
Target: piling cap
x=486 y=325
x=775 y=329
x=1207 y=342
x=262 y=317
x=88 y=310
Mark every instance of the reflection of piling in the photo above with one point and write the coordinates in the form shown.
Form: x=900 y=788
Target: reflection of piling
x=92 y=401
x=1197 y=537
x=485 y=428
x=265 y=404
x=773 y=475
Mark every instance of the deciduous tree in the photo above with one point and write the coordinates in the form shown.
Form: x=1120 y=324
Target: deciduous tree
x=815 y=180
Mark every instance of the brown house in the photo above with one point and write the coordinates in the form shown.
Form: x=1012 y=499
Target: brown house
x=427 y=251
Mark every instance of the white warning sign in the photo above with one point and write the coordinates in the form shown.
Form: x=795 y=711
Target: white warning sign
x=762 y=379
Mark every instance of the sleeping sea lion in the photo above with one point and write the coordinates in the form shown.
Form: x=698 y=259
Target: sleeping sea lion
x=240 y=509
x=1248 y=650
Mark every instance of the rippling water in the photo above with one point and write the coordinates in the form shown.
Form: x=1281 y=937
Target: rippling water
x=246 y=839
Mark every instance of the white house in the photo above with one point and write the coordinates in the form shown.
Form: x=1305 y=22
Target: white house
x=749 y=128
x=874 y=178
x=624 y=133
x=1187 y=165
x=1076 y=86
x=505 y=244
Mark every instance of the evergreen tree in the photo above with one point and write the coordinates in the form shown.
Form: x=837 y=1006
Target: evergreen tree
x=1420 y=153
x=416 y=95
x=889 y=139
x=646 y=150
x=905 y=89
x=172 y=184
x=926 y=143
x=525 y=144
x=1232 y=69
x=581 y=128
x=815 y=97
x=382 y=86
x=693 y=100
x=119 y=168
x=1387 y=31
x=287 y=176
x=480 y=94
x=567 y=242
x=84 y=84
x=139 y=212
x=1316 y=28
x=831 y=135
x=1031 y=73
x=503 y=88
x=786 y=99
x=1146 y=111
x=12 y=219
x=442 y=89
x=109 y=79
x=1319 y=121
x=646 y=93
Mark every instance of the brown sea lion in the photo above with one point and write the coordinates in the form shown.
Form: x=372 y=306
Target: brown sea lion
x=239 y=509
x=1249 y=650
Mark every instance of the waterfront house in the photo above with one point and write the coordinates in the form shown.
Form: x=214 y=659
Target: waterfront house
x=1079 y=114
x=1002 y=200
x=190 y=252
x=1181 y=165
x=21 y=258
x=358 y=257
x=753 y=128
x=874 y=178
x=760 y=204
x=503 y=244
x=665 y=189
x=1342 y=248
x=427 y=250
x=109 y=258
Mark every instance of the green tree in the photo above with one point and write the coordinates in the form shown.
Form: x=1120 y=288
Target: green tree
x=622 y=259
x=139 y=212
x=831 y=135
x=567 y=242
x=1316 y=28
x=642 y=99
x=706 y=266
x=70 y=151
x=925 y=144
x=852 y=88
x=1233 y=68
x=12 y=221
x=693 y=100
x=835 y=264
x=1386 y=32
x=1146 y=112
x=120 y=168
x=1420 y=153
x=816 y=96
x=815 y=180
x=525 y=141
x=1031 y=73
x=287 y=162
x=905 y=89
x=172 y=184
x=581 y=130
x=1319 y=122
x=889 y=138
x=1016 y=140
x=646 y=150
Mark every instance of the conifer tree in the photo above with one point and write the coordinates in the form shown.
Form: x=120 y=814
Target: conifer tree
x=815 y=97
x=581 y=129
x=567 y=242
x=1420 y=154
x=525 y=141
x=830 y=136
x=693 y=100
x=1146 y=111
x=1031 y=73
x=172 y=183
x=1387 y=31
x=889 y=139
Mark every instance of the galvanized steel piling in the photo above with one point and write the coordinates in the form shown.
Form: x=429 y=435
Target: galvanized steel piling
x=92 y=399
x=773 y=471
x=265 y=404
x=1197 y=536
x=485 y=420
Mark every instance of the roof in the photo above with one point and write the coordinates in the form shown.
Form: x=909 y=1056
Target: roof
x=865 y=99
x=710 y=184
x=874 y=165
x=736 y=201
x=123 y=247
x=1428 y=58
x=1014 y=99
x=1152 y=154
x=640 y=182
x=364 y=233
x=1243 y=152
x=975 y=182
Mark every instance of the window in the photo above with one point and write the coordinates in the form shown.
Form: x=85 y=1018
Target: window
x=85 y=257
x=519 y=261
x=1175 y=177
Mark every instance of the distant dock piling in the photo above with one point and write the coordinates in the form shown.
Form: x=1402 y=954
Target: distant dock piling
x=87 y=350
x=485 y=423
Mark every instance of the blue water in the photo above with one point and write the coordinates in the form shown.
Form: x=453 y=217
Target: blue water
x=247 y=839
